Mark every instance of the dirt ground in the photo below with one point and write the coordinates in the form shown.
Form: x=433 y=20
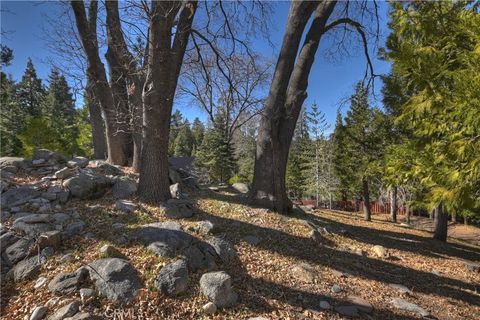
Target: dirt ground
x=263 y=273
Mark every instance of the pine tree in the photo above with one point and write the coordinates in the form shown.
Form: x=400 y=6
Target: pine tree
x=198 y=131
x=176 y=123
x=11 y=118
x=184 y=141
x=30 y=91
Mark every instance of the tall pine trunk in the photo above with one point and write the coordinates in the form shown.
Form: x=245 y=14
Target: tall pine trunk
x=441 y=224
x=393 y=204
x=367 y=211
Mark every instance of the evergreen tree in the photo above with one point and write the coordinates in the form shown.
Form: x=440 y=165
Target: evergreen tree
x=245 y=147
x=184 y=141
x=30 y=91
x=176 y=123
x=11 y=118
x=216 y=154
x=198 y=131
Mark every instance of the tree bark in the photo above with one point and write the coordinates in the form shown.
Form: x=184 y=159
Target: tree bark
x=465 y=220
x=393 y=204
x=407 y=212
x=441 y=224
x=96 y=71
x=454 y=217
x=163 y=68
x=366 y=200
x=286 y=96
x=96 y=121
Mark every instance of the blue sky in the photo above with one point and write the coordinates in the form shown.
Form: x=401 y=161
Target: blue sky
x=329 y=82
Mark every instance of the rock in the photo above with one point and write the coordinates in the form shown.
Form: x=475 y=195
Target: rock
x=205 y=226
x=161 y=249
x=18 y=196
x=64 y=173
x=80 y=162
x=47 y=252
x=7 y=239
x=178 y=209
x=61 y=217
x=241 y=187
x=66 y=257
x=87 y=185
x=38 y=313
x=75 y=228
x=26 y=269
x=38 y=162
x=124 y=187
x=51 y=196
x=110 y=251
x=13 y=164
x=217 y=286
x=125 y=206
x=4 y=215
x=48 y=156
x=81 y=316
x=304 y=272
x=174 y=176
x=175 y=190
x=66 y=311
x=223 y=248
x=170 y=240
x=86 y=293
x=173 y=278
x=50 y=239
x=380 y=251
x=107 y=168
x=34 y=224
x=209 y=308
x=471 y=266
x=67 y=283
x=403 y=304
x=115 y=279
x=252 y=240
x=325 y=305
x=361 y=304
x=399 y=287
x=349 y=311
x=63 y=196
x=19 y=250
x=336 y=288
x=40 y=282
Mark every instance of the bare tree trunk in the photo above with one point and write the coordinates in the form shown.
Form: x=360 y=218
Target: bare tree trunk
x=454 y=217
x=96 y=71
x=407 y=212
x=465 y=220
x=366 y=200
x=96 y=121
x=286 y=96
x=164 y=62
x=393 y=204
x=441 y=224
x=432 y=214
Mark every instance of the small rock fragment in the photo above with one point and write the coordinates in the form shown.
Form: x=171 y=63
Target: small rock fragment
x=38 y=313
x=209 y=308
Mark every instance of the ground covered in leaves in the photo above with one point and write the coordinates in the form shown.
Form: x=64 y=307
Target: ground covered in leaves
x=263 y=272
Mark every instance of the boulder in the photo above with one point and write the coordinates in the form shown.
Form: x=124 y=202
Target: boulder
x=175 y=190
x=18 y=196
x=205 y=227
x=38 y=313
x=116 y=279
x=223 y=248
x=18 y=250
x=173 y=278
x=49 y=156
x=161 y=249
x=80 y=162
x=64 y=173
x=66 y=311
x=403 y=304
x=178 y=209
x=125 y=206
x=124 y=187
x=217 y=287
x=67 y=283
x=87 y=185
x=107 y=168
x=110 y=251
x=241 y=187
x=27 y=269
x=34 y=224
x=174 y=176
x=50 y=239
x=7 y=239
x=75 y=228
x=86 y=293
x=13 y=164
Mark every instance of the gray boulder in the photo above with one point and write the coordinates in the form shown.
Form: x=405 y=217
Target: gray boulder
x=49 y=156
x=217 y=287
x=125 y=206
x=178 y=209
x=35 y=224
x=115 y=279
x=26 y=269
x=38 y=313
x=403 y=304
x=173 y=278
x=241 y=187
x=18 y=196
x=124 y=187
x=81 y=162
x=107 y=168
x=18 y=250
x=67 y=283
x=50 y=239
x=6 y=240
x=75 y=228
x=223 y=248
x=66 y=311
x=174 y=176
x=64 y=173
x=13 y=164
x=87 y=185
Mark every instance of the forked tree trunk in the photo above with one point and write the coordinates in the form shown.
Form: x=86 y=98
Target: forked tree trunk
x=367 y=211
x=96 y=121
x=87 y=29
x=164 y=62
x=441 y=224
x=286 y=96
x=393 y=204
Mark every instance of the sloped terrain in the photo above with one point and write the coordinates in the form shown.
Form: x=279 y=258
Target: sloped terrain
x=311 y=265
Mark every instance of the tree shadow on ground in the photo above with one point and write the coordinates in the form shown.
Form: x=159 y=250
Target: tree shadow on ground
x=307 y=250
